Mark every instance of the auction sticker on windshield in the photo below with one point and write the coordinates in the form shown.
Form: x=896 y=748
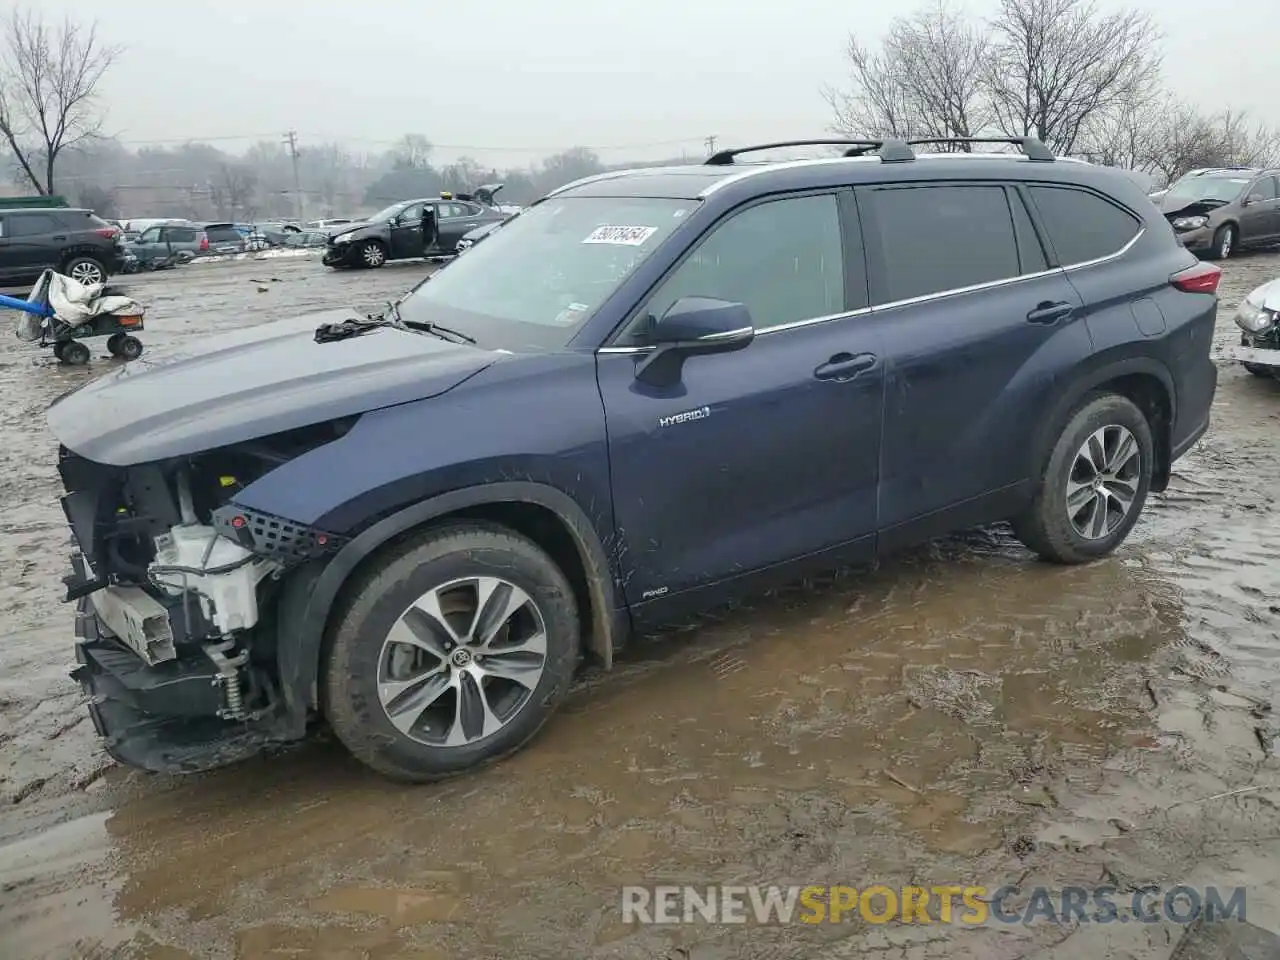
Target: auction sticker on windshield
x=622 y=236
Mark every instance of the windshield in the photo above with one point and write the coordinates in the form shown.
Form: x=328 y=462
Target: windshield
x=388 y=213
x=1219 y=189
x=532 y=284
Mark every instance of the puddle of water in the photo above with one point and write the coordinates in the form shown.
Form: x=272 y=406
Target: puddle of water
x=57 y=892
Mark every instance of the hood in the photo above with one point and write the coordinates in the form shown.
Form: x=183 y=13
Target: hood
x=1267 y=296
x=252 y=383
x=342 y=228
x=1180 y=208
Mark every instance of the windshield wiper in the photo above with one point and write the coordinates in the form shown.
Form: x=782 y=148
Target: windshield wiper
x=426 y=326
x=328 y=332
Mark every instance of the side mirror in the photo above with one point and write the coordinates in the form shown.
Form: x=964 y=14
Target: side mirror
x=693 y=326
x=1252 y=199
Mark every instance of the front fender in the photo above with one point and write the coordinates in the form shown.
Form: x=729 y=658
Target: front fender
x=311 y=592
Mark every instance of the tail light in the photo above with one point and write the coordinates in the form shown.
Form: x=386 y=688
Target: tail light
x=108 y=232
x=204 y=242
x=1202 y=278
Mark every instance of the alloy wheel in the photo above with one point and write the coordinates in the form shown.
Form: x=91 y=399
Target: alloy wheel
x=1103 y=483
x=373 y=255
x=462 y=661
x=86 y=273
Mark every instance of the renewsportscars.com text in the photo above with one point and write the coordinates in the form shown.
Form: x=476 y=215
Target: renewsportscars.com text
x=944 y=903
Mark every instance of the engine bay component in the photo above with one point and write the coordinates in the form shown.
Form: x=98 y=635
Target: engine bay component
x=137 y=619
x=224 y=575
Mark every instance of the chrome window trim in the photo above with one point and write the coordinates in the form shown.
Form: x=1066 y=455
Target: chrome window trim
x=1110 y=256
x=793 y=325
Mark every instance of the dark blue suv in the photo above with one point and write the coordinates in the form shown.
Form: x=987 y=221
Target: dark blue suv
x=653 y=390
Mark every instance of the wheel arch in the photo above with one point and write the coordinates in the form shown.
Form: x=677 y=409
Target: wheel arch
x=1144 y=381
x=82 y=251
x=544 y=514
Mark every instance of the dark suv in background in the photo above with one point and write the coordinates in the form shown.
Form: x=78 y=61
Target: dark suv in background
x=651 y=392
x=74 y=242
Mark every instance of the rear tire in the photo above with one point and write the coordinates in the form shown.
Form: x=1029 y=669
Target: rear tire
x=410 y=643
x=85 y=270
x=1103 y=462
x=1258 y=370
x=129 y=348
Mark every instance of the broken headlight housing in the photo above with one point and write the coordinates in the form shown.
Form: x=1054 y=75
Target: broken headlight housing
x=1254 y=318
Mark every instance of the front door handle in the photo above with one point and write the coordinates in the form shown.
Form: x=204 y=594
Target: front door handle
x=59 y=236
x=845 y=366
x=1049 y=312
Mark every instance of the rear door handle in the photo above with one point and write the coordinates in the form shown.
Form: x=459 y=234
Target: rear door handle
x=60 y=236
x=1050 y=312
x=845 y=366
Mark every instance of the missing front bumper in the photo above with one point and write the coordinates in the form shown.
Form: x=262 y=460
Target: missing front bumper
x=162 y=717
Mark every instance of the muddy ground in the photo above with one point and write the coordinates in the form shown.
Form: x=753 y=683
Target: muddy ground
x=960 y=714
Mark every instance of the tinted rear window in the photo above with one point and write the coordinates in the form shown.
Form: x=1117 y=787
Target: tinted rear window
x=182 y=234
x=938 y=238
x=222 y=234
x=29 y=224
x=1081 y=225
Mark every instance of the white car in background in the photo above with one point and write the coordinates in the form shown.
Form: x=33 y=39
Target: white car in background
x=1258 y=318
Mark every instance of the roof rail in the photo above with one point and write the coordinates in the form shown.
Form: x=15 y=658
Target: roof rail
x=887 y=149
x=1033 y=148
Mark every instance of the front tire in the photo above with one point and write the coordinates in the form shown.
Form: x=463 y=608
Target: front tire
x=452 y=652
x=1094 y=485
x=1224 y=243
x=372 y=254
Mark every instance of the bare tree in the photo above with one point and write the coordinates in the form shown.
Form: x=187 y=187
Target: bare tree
x=233 y=192
x=1182 y=138
x=1126 y=136
x=926 y=80
x=412 y=152
x=876 y=103
x=1056 y=65
x=48 y=91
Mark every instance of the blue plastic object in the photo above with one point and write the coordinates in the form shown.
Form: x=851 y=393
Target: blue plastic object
x=26 y=306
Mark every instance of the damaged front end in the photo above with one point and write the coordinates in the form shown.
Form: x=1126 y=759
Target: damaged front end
x=176 y=590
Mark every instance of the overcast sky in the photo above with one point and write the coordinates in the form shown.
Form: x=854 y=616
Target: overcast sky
x=509 y=80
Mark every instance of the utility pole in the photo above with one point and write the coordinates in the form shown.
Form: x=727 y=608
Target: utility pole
x=291 y=138
x=711 y=144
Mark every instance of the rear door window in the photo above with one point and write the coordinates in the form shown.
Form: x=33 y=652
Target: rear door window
x=30 y=225
x=181 y=235
x=938 y=238
x=1082 y=226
